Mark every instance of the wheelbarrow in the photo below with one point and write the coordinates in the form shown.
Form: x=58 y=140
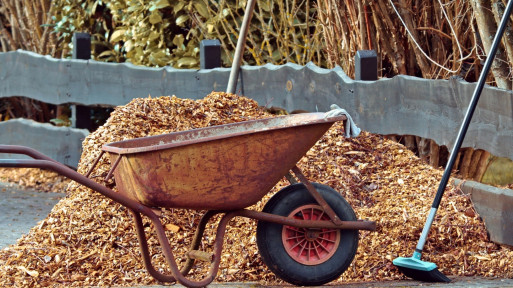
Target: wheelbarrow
x=307 y=233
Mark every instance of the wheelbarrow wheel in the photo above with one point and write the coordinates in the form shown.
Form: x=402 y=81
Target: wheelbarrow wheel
x=306 y=257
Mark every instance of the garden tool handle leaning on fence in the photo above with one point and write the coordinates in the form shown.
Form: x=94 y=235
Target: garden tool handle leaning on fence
x=234 y=74
x=466 y=121
x=422 y=272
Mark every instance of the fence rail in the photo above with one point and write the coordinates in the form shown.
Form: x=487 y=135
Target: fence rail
x=401 y=105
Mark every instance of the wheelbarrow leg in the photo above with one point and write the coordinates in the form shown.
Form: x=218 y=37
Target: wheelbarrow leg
x=196 y=240
x=143 y=245
x=291 y=178
x=170 y=259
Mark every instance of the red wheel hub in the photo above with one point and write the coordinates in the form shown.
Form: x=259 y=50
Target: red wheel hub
x=310 y=246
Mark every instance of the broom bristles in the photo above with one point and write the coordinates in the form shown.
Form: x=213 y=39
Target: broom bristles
x=425 y=276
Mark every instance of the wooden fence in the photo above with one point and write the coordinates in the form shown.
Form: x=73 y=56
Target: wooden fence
x=402 y=105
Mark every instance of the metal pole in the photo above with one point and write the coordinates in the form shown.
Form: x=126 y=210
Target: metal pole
x=234 y=74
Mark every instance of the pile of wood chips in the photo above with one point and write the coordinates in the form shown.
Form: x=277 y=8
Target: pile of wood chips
x=88 y=240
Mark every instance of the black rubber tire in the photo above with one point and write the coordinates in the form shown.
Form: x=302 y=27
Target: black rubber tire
x=274 y=254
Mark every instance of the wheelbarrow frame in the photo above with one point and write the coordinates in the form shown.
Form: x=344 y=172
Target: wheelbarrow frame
x=44 y=162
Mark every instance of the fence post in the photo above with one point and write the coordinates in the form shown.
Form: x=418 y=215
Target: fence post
x=366 y=65
x=81 y=115
x=210 y=54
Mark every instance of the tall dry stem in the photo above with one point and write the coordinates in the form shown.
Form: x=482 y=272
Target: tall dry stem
x=25 y=25
x=430 y=39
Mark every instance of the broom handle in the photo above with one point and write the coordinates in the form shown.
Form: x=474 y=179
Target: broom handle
x=239 y=49
x=464 y=127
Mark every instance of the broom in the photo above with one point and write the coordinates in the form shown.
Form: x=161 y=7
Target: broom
x=413 y=267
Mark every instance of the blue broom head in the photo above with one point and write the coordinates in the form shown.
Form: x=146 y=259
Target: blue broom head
x=420 y=270
x=414 y=263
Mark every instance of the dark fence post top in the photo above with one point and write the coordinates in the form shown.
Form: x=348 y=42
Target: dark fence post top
x=210 y=54
x=81 y=46
x=366 y=65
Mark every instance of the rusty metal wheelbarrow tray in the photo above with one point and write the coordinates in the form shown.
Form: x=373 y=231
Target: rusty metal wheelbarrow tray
x=223 y=167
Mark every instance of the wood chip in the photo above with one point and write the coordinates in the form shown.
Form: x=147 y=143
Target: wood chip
x=172 y=227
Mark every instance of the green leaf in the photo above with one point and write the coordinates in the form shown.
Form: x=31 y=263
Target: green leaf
x=153 y=35
x=265 y=5
x=159 y=58
x=60 y=122
x=202 y=9
x=226 y=12
x=181 y=20
x=178 y=7
x=129 y=45
x=159 y=5
x=106 y=53
x=155 y=17
x=178 y=41
x=117 y=35
x=134 y=8
x=276 y=55
x=187 y=62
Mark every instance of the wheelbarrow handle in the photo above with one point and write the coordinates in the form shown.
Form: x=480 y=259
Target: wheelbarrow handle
x=17 y=149
x=44 y=162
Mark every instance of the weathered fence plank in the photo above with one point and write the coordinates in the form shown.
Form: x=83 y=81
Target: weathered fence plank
x=402 y=105
x=63 y=144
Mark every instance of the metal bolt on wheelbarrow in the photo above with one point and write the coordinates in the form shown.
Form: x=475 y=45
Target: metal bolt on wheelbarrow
x=307 y=233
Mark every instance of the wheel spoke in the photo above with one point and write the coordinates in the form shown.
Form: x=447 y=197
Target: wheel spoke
x=301 y=250
x=308 y=250
x=316 y=250
x=326 y=239
x=298 y=243
x=320 y=244
x=295 y=229
x=295 y=237
x=303 y=215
